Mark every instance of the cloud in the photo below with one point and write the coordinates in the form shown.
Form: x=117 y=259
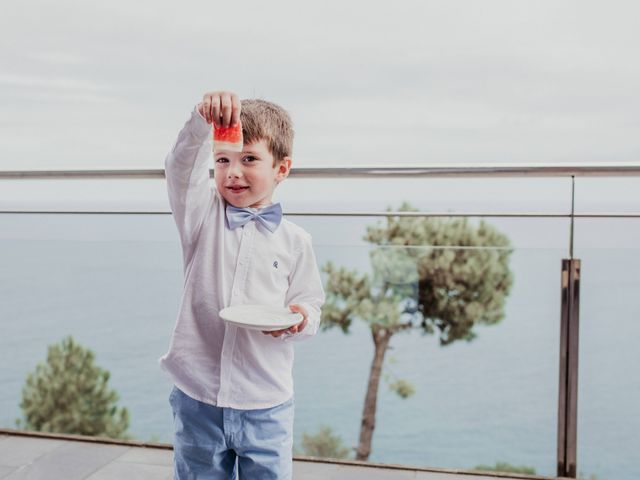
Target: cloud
x=446 y=81
x=60 y=83
x=57 y=57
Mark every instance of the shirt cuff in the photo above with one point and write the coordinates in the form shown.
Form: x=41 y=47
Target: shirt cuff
x=310 y=329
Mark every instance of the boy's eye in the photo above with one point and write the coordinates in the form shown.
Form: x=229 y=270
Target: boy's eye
x=222 y=160
x=250 y=158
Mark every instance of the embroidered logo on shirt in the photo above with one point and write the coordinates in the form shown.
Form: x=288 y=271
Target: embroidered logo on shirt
x=275 y=264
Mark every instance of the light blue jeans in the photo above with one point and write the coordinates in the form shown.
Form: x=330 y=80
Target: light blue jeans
x=220 y=443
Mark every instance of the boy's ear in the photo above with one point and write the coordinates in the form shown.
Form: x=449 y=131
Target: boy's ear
x=284 y=166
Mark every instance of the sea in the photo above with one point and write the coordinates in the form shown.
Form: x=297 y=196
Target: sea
x=113 y=281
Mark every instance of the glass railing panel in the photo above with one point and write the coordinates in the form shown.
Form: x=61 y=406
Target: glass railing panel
x=607 y=195
x=440 y=194
x=84 y=194
x=114 y=283
x=491 y=400
x=299 y=194
x=609 y=387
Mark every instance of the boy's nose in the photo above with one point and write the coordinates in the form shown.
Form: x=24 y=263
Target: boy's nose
x=234 y=170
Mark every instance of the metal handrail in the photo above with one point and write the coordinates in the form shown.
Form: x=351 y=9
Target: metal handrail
x=358 y=214
x=424 y=170
x=436 y=170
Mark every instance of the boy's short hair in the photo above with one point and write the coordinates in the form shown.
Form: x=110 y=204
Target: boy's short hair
x=262 y=120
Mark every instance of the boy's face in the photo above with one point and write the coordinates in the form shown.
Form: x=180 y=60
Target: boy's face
x=248 y=178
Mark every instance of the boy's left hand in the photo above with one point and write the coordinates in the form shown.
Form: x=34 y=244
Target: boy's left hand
x=295 y=328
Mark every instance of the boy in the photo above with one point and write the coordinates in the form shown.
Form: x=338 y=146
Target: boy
x=233 y=397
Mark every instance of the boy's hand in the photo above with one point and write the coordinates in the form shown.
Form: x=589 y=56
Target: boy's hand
x=220 y=108
x=295 y=328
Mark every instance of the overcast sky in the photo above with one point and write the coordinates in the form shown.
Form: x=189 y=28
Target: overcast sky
x=87 y=84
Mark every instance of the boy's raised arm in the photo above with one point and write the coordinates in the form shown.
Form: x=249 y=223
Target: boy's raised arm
x=187 y=165
x=187 y=173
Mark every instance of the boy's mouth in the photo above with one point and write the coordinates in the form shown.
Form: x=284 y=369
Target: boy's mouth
x=237 y=188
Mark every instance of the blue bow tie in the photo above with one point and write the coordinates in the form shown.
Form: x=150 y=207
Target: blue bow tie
x=269 y=216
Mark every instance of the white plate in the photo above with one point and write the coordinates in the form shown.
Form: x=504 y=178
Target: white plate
x=260 y=317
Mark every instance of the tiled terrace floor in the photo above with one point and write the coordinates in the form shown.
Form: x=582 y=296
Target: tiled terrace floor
x=43 y=457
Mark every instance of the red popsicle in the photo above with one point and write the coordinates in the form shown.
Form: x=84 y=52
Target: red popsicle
x=228 y=138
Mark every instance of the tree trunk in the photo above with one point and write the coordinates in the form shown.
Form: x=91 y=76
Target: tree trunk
x=381 y=337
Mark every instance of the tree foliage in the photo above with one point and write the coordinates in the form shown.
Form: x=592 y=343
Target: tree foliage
x=506 y=467
x=439 y=275
x=324 y=444
x=442 y=275
x=69 y=394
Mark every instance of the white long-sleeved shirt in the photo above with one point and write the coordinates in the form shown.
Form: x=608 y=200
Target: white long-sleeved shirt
x=210 y=360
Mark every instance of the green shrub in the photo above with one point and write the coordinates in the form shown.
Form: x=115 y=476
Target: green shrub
x=69 y=394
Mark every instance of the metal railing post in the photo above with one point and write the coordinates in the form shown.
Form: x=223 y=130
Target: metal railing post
x=568 y=377
x=568 y=391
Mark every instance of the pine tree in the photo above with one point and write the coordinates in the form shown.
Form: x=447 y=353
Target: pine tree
x=69 y=394
x=440 y=276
